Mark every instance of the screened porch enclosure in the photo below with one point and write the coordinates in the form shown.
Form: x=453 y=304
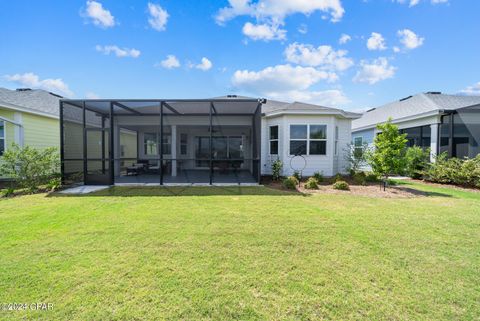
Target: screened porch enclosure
x=161 y=141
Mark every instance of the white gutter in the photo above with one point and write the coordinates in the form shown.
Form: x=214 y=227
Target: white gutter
x=400 y=120
x=312 y=112
x=27 y=110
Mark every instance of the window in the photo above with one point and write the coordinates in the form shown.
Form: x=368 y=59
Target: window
x=150 y=143
x=358 y=147
x=308 y=139
x=2 y=137
x=273 y=140
x=336 y=140
x=183 y=144
x=318 y=140
x=417 y=136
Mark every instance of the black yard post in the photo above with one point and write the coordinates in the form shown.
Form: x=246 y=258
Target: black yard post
x=62 y=150
x=84 y=143
x=160 y=147
x=211 y=143
x=112 y=147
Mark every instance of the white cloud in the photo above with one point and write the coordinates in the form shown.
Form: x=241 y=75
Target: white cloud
x=158 y=17
x=409 y=39
x=204 y=65
x=280 y=78
x=379 y=69
x=91 y=95
x=303 y=29
x=323 y=56
x=412 y=3
x=344 y=38
x=376 y=42
x=98 y=15
x=274 y=12
x=33 y=81
x=169 y=63
x=264 y=32
x=119 y=52
x=331 y=97
x=471 y=90
x=396 y=49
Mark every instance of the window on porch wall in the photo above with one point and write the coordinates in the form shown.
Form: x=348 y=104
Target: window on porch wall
x=2 y=137
x=150 y=143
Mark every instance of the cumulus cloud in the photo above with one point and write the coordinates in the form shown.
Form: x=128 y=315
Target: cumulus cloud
x=280 y=78
x=412 y=3
x=169 y=63
x=32 y=80
x=119 y=52
x=471 y=90
x=204 y=65
x=158 y=17
x=324 y=57
x=98 y=15
x=409 y=39
x=332 y=97
x=344 y=38
x=375 y=71
x=376 y=42
x=274 y=12
x=264 y=32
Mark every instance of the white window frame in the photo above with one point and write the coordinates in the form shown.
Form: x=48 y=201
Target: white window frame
x=308 y=139
x=270 y=140
x=354 y=144
x=3 y=138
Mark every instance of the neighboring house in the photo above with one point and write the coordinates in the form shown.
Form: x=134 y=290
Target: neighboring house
x=28 y=117
x=205 y=141
x=443 y=123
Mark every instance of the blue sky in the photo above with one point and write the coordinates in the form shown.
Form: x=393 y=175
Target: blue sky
x=281 y=49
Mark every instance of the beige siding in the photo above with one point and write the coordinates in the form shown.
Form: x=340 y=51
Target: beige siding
x=40 y=132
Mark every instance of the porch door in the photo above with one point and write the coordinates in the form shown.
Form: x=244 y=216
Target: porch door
x=98 y=171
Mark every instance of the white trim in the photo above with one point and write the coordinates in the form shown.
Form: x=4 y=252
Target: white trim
x=308 y=139
x=313 y=112
x=273 y=140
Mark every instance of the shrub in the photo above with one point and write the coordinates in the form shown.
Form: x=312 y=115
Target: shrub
x=6 y=192
x=54 y=184
x=360 y=178
x=341 y=185
x=311 y=183
x=371 y=177
x=446 y=170
x=416 y=160
x=297 y=175
x=318 y=176
x=276 y=169
x=30 y=167
x=290 y=182
x=337 y=177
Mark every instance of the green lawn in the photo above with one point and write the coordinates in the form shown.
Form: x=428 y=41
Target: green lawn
x=250 y=253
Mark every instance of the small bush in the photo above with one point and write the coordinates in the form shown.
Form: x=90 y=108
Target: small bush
x=372 y=177
x=276 y=169
x=290 y=182
x=453 y=170
x=297 y=175
x=54 y=184
x=6 y=192
x=341 y=185
x=337 y=178
x=318 y=176
x=311 y=183
x=416 y=159
x=360 y=178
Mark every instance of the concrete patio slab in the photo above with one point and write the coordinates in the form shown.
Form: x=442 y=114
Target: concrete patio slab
x=85 y=189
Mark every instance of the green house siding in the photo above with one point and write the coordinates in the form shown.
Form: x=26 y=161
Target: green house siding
x=40 y=132
x=9 y=128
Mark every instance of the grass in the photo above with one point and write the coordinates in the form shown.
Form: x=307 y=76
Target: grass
x=241 y=253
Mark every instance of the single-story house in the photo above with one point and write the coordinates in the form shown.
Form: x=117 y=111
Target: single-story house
x=221 y=140
x=443 y=123
x=28 y=117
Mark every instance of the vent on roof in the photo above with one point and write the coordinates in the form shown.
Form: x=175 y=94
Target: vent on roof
x=23 y=89
x=406 y=98
x=434 y=92
x=231 y=96
x=371 y=109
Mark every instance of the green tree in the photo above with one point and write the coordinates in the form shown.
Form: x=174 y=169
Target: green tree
x=388 y=154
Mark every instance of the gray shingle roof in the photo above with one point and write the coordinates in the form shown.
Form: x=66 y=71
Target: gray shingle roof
x=35 y=100
x=278 y=106
x=414 y=106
